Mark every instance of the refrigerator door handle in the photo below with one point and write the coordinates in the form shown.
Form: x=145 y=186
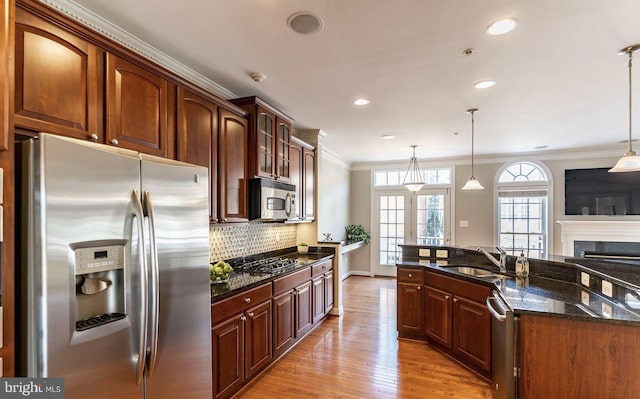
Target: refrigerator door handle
x=138 y=213
x=154 y=286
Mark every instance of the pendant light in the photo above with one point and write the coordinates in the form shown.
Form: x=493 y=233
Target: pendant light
x=630 y=162
x=413 y=180
x=472 y=183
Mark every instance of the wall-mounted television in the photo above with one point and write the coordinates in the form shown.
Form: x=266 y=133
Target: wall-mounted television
x=598 y=192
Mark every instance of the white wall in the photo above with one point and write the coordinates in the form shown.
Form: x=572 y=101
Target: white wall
x=333 y=195
x=361 y=213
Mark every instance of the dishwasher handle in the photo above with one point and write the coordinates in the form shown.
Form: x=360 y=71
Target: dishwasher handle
x=500 y=316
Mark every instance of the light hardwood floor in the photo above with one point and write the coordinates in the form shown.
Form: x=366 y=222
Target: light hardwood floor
x=359 y=356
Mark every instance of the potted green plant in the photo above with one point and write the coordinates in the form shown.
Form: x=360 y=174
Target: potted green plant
x=303 y=248
x=357 y=233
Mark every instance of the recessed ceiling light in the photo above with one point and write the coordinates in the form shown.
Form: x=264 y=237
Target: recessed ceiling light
x=305 y=23
x=483 y=84
x=502 y=26
x=387 y=137
x=361 y=101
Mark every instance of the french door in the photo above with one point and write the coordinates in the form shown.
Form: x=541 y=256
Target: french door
x=406 y=218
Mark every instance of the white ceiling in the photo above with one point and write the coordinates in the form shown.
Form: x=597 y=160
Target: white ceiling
x=560 y=82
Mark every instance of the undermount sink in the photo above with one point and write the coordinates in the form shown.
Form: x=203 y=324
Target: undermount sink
x=475 y=271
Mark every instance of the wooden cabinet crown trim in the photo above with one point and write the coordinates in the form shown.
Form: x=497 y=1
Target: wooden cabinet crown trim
x=92 y=28
x=255 y=100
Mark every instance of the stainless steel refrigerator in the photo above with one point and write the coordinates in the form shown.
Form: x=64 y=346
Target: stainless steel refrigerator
x=115 y=281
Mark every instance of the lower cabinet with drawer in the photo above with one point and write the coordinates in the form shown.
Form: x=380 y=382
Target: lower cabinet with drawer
x=410 y=304
x=449 y=313
x=322 y=290
x=241 y=339
x=457 y=320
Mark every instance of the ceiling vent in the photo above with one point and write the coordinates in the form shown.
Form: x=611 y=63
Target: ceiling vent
x=305 y=23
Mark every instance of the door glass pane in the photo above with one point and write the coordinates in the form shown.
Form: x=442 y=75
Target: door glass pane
x=430 y=221
x=391 y=228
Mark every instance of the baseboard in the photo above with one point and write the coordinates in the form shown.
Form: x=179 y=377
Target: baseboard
x=357 y=273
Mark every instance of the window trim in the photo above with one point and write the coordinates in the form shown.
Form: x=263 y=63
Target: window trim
x=521 y=187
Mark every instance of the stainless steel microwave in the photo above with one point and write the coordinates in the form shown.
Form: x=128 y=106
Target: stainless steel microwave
x=271 y=200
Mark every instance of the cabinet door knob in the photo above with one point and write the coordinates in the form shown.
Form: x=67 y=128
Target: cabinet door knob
x=446 y=297
x=93 y=137
x=410 y=275
x=247 y=300
x=114 y=141
x=224 y=220
x=419 y=288
x=243 y=318
x=455 y=299
x=250 y=314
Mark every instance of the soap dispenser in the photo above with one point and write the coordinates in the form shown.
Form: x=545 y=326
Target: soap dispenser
x=522 y=265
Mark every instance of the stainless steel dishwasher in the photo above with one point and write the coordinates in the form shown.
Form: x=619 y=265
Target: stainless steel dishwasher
x=502 y=347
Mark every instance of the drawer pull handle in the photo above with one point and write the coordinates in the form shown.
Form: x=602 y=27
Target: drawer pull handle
x=410 y=275
x=247 y=300
x=243 y=318
x=250 y=314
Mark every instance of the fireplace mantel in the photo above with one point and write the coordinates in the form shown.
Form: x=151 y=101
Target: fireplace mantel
x=597 y=230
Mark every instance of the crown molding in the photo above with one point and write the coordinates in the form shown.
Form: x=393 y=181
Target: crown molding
x=97 y=23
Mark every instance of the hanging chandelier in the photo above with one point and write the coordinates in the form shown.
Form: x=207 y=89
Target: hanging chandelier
x=413 y=179
x=472 y=183
x=630 y=162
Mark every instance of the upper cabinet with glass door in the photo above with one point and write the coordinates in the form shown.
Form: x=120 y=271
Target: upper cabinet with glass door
x=269 y=139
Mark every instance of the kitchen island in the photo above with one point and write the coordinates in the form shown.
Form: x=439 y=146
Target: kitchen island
x=576 y=323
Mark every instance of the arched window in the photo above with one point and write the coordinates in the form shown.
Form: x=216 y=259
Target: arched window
x=523 y=208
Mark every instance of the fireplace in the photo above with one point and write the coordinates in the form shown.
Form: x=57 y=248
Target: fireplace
x=601 y=238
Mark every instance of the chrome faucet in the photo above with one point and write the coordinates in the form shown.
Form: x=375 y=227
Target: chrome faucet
x=502 y=263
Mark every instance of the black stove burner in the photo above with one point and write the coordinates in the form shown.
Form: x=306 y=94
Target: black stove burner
x=269 y=265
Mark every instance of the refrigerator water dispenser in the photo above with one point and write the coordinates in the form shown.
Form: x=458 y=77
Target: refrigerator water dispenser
x=99 y=282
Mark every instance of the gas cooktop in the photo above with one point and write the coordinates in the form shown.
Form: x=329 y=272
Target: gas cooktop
x=273 y=265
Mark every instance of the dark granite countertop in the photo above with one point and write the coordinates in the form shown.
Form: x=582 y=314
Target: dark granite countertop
x=240 y=281
x=551 y=296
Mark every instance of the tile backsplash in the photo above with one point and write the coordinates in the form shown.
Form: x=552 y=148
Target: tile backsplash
x=228 y=241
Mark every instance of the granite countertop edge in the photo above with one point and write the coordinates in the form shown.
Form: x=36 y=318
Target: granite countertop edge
x=557 y=291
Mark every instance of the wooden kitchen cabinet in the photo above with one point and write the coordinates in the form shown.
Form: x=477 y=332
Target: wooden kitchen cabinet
x=308 y=183
x=58 y=80
x=317 y=290
x=410 y=302
x=232 y=167
x=322 y=296
x=197 y=142
x=576 y=359
x=457 y=319
x=472 y=333
x=241 y=339
x=227 y=344
x=437 y=319
x=283 y=322
x=303 y=302
x=302 y=175
x=258 y=341
x=328 y=291
x=136 y=108
x=269 y=139
x=65 y=84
